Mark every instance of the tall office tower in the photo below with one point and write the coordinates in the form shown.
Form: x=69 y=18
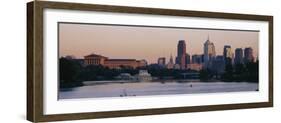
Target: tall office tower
x=248 y=55
x=227 y=54
x=162 y=61
x=238 y=59
x=181 y=56
x=209 y=53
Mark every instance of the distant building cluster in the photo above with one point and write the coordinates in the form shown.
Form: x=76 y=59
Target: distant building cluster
x=209 y=59
x=184 y=61
x=94 y=59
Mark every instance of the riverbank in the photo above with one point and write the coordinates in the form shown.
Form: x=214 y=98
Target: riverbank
x=85 y=83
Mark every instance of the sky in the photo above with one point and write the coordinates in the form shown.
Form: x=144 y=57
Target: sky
x=149 y=43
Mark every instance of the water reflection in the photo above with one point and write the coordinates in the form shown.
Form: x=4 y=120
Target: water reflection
x=123 y=89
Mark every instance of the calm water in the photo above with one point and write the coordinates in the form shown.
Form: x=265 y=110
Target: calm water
x=94 y=90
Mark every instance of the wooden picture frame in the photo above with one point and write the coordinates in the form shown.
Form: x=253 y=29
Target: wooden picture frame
x=35 y=69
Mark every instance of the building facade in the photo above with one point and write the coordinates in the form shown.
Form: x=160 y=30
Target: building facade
x=187 y=59
x=197 y=59
x=194 y=66
x=161 y=61
x=209 y=53
x=181 y=56
x=248 y=55
x=170 y=64
x=94 y=59
x=238 y=59
x=227 y=54
x=218 y=65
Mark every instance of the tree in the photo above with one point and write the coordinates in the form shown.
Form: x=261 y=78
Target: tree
x=69 y=70
x=204 y=74
x=252 y=71
x=239 y=72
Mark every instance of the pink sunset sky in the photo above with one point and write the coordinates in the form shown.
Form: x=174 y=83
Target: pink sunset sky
x=149 y=43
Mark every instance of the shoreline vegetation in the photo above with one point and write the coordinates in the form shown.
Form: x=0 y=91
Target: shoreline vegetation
x=74 y=74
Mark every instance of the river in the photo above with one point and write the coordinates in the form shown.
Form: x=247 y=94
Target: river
x=109 y=89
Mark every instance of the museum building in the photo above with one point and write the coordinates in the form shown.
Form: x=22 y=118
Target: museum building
x=94 y=59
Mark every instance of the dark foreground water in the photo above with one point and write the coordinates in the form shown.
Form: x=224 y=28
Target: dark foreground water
x=108 y=89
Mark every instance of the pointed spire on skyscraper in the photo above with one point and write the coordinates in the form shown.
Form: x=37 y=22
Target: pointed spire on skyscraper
x=170 y=64
x=208 y=40
x=171 y=58
x=209 y=52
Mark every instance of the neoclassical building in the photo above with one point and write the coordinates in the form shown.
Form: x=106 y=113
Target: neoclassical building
x=94 y=59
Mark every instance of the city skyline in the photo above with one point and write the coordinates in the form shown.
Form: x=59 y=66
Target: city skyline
x=80 y=40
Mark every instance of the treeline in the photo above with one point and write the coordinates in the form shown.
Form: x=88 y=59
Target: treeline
x=248 y=72
x=163 y=73
x=69 y=70
x=72 y=73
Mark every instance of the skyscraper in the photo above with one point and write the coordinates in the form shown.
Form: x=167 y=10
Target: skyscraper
x=238 y=59
x=197 y=59
x=227 y=54
x=202 y=58
x=187 y=59
x=170 y=64
x=218 y=65
x=181 y=56
x=209 y=53
x=248 y=55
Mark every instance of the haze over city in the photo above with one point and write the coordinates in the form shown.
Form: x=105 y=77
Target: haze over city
x=147 y=43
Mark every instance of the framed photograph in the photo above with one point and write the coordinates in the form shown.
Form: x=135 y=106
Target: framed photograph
x=90 y=61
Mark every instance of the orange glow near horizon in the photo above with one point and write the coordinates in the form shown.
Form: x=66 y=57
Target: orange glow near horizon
x=147 y=43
